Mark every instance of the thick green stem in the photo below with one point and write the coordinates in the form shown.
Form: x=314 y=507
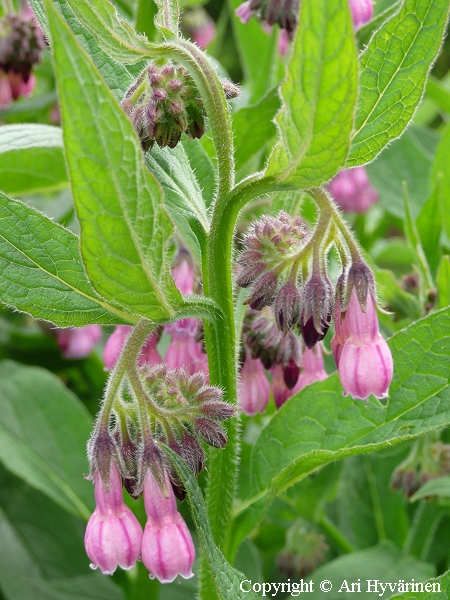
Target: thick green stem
x=129 y=354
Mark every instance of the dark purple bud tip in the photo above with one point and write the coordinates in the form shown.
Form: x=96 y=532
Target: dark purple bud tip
x=210 y=432
x=311 y=335
x=130 y=485
x=290 y=374
x=263 y=291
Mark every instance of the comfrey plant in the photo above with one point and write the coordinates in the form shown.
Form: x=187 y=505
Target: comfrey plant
x=210 y=241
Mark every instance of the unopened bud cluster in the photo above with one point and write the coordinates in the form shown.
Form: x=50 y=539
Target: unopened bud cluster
x=279 y=270
x=21 y=46
x=304 y=551
x=164 y=102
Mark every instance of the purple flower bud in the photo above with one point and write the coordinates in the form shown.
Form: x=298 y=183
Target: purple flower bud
x=263 y=291
x=113 y=534
x=290 y=373
x=114 y=345
x=78 y=343
x=210 y=432
x=167 y=546
x=218 y=410
x=365 y=363
x=287 y=307
x=254 y=388
x=317 y=304
x=362 y=11
x=352 y=190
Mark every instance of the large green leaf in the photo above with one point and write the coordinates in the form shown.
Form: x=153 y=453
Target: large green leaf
x=46 y=543
x=118 y=78
x=379 y=565
x=182 y=193
x=319 y=96
x=117 y=38
x=31 y=159
x=319 y=425
x=394 y=69
x=226 y=578
x=43 y=433
x=41 y=272
x=203 y=167
x=124 y=227
x=443 y=282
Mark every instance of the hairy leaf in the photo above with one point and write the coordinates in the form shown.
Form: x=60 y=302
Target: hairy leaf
x=318 y=96
x=31 y=159
x=41 y=272
x=394 y=69
x=124 y=228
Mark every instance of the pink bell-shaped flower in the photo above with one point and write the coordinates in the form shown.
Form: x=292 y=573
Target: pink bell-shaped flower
x=254 y=388
x=352 y=190
x=362 y=11
x=149 y=354
x=78 y=343
x=167 y=546
x=364 y=360
x=113 y=534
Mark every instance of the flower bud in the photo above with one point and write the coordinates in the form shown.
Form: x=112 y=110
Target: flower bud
x=113 y=534
x=167 y=546
x=317 y=306
x=254 y=388
x=210 y=432
x=78 y=343
x=304 y=551
x=287 y=307
x=352 y=191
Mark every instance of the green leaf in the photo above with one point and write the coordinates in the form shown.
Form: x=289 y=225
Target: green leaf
x=409 y=160
x=441 y=171
x=183 y=197
x=31 y=159
x=319 y=425
x=319 y=96
x=46 y=543
x=443 y=282
x=253 y=127
x=435 y=487
x=364 y=34
x=117 y=38
x=383 y=563
x=429 y=227
x=42 y=273
x=394 y=69
x=124 y=228
x=226 y=578
x=113 y=72
x=434 y=589
x=436 y=91
x=43 y=435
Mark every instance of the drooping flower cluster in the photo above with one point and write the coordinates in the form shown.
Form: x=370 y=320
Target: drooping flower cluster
x=278 y=269
x=352 y=191
x=21 y=46
x=304 y=551
x=181 y=411
x=164 y=102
